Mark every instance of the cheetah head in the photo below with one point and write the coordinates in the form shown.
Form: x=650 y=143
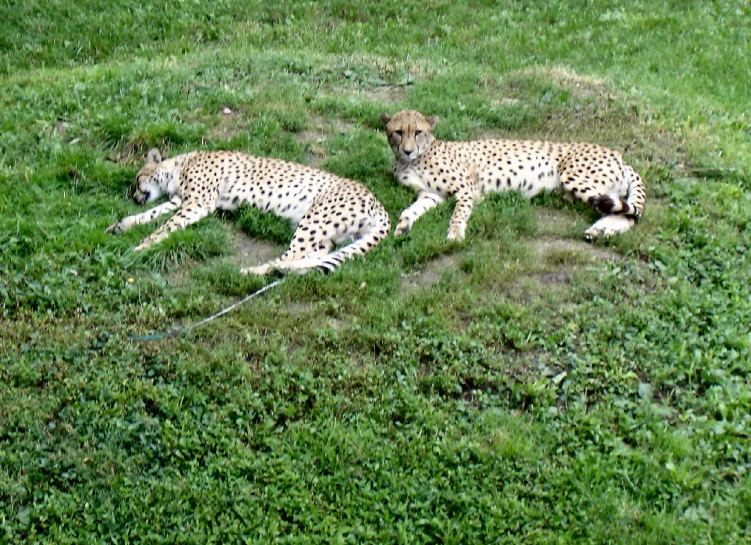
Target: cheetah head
x=148 y=187
x=410 y=133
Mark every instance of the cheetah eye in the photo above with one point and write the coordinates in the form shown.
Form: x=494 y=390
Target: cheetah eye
x=418 y=133
x=398 y=133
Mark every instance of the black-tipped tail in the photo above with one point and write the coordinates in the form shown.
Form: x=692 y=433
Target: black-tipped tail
x=607 y=205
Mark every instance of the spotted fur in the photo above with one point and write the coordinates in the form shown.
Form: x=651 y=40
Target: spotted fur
x=436 y=170
x=327 y=210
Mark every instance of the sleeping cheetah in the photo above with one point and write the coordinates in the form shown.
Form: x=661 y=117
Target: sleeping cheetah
x=326 y=209
x=436 y=170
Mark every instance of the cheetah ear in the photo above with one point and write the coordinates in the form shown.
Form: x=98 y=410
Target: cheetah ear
x=154 y=156
x=432 y=121
x=385 y=118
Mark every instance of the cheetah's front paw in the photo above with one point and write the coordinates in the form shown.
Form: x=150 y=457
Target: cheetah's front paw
x=455 y=233
x=401 y=228
x=261 y=270
x=115 y=228
x=609 y=226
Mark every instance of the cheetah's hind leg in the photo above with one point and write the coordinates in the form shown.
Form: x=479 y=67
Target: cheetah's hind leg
x=609 y=226
x=365 y=233
x=300 y=266
x=308 y=246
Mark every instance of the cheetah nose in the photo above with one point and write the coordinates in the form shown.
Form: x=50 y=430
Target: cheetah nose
x=140 y=197
x=408 y=152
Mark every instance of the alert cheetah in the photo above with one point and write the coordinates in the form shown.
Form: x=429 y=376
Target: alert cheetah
x=437 y=169
x=326 y=209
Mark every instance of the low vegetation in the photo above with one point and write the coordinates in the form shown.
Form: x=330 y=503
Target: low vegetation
x=520 y=387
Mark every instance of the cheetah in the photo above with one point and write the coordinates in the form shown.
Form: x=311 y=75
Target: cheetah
x=327 y=210
x=436 y=169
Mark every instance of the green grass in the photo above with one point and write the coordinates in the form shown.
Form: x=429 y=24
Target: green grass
x=521 y=387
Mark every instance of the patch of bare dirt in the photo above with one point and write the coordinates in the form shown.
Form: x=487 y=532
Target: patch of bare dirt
x=298 y=307
x=578 y=250
x=594 y=112
x=247 y=252
x=532 y=364
x=385 y=93
x=553 y=222
x=581 y=86
x=335 y=323
x=133 y=153
x=430 y=273
x=228 y=127
x=315 y=312
x=505 y=101
x=250 y=252
x=320 y=128
x=561 y=259
x=555 y=278
x=318 y=131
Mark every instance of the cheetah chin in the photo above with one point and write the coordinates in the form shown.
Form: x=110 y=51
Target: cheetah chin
x=327 y=210
x=467 y=170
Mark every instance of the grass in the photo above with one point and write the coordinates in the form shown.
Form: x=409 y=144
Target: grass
x=519 y=387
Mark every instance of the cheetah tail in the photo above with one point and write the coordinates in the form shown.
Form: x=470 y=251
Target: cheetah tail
x=379 y=228
x=632 y=206
x=637 y=193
